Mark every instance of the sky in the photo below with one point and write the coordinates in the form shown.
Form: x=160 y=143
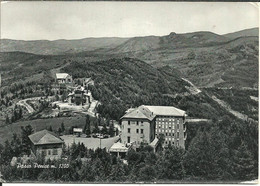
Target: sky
x=36 y=20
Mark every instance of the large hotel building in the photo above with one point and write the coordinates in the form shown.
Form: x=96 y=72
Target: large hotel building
x=144 y=123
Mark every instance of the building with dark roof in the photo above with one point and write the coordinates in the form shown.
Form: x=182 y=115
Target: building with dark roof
x=155 y=120
x=47 y=144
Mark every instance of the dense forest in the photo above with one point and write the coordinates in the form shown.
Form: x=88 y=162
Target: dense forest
x=226 y=150
x=121 y=83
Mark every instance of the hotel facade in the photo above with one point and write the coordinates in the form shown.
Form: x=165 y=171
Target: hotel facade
x=146 y=123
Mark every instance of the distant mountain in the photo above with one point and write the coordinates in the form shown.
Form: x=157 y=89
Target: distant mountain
x=57 y=47
x=207 y=59
x=243 y=33
x=170 y=41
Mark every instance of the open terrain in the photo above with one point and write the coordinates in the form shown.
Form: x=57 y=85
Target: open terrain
x=7 y=131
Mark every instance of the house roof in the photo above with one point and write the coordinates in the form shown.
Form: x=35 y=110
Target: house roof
x=61 y=75
x=45 y=137
x=140 y=113
x=165 y=110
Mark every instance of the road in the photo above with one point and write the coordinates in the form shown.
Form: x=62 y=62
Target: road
x=26 y=105
x=193 y=89
x=29 y=107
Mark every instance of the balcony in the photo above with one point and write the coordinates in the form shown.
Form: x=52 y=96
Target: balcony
x=184 y=128
x=185 y=136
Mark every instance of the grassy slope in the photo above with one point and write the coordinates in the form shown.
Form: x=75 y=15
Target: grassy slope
x=40 y=124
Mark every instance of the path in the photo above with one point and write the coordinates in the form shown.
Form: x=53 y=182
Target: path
x=26 y=105
x=193 y=89
x=29 y=107
x=228 y=108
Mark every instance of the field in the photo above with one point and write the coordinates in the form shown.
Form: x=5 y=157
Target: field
x=7 y=131
x=90 y=143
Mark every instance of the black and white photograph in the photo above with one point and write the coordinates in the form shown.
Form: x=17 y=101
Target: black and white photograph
x=129 y=92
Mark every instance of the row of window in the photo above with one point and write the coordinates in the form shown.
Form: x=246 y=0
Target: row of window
x=166 y=119
x=167 y=126
x=54 y=152
x=135 y=122
x=172 y=143
x=167 y=122
x=172 y=134
x=137 y=130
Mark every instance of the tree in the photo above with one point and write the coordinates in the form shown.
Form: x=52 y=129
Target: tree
x=7 y=121
x=104 y=129
x=243 y=164
x=7 y=153
x=20 y=113
x=26 y=143
x=62 y=127
x=50 y=128
x=16 y=145
x=207 y=157
x=111 y=130
x=96 y=129
x=86 y=129
x=170 y=164
x=161 y=140
x=59 y=131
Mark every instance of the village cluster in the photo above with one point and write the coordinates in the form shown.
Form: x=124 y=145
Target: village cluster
x=141 y=125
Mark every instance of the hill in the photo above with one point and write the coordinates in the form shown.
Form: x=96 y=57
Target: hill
x=243 y=33
x=205 y=58
x=171 y=41
x=45 y=47
x=121 y=83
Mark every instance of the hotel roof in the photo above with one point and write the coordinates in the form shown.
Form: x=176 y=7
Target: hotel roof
x=165 y=110
x=140 y=113
x=45 y=137
x=149 y=112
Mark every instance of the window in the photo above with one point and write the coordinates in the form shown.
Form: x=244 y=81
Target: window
x=128 y=130
x=142 y=131
x=55 y=152
x=137 y=123
x=43 y=153
x=128 y=139
x=49 y=152
x=177 y=134
x=166 y=134
x=137 y=130
x=128 y=122
x=170 y=127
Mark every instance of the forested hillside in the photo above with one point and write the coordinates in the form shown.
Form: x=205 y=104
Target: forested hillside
x=121 y=83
